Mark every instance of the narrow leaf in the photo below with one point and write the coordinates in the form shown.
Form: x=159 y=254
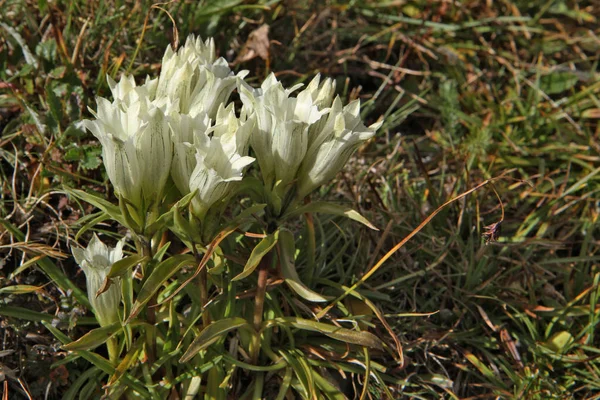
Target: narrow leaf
x=49 y=268
x=97 y=218
x=211 y=334
x=126 y=362
x=113 y=211
x=122 y=266
x=27 y=54
x=166 y=219
x=119 y=269
x=94 y=338
x=24 y=313
x=287 y=248
x=19 y=289
x=161 y=273
x=332 y=209
x=361 y=338
x=261 y=249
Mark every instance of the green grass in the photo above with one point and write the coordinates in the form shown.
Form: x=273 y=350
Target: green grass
x=469 y=92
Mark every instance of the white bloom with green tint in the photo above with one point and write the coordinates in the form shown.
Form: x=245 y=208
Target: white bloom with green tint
x=136 y=145
x=305 y=139
x=209 y=157
x=96 y=261
x=195 y=79
x=282 y=135
x=332 y=144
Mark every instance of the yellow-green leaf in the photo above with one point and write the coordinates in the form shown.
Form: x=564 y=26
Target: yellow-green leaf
x=261 y=249
x=211 y=334
x=330 y=208
x=360 y=338
x=19 y=289
x=94 y=338
x=287 y=248
x=161 y=273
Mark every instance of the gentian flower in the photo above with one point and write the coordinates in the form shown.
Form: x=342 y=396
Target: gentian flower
x=96 y=261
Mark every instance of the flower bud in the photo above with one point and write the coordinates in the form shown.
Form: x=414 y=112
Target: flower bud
x=195 y=78
x=96 y=261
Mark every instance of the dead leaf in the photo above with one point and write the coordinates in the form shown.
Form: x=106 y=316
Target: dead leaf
x=257 y=45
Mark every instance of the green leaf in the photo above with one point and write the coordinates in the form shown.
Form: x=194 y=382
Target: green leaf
x=214 y=391
x=24 y=313
x=54 y=104
x=287 y=248
x=27 y=54
x=127 y=361
x=19 y=289
x=119 y=269
x=211 y=334
x=102 y=363
x=168 y=218
x=97 y=218
x=360 y=338
x=557 y=82
x=560 y=342
x=261 y=249
x=102 y=204
x=330 y=391
x=94 y=338
x=74 y=388
x=303 y=372
x=122 y=266
x=483 y=369
x=160 y=274
x=330 y=208
x=160 y=253
x=246 y=214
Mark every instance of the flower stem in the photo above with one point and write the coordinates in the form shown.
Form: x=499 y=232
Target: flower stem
x=259 y=305
x=310 y=230
x=203 y=278
x=144 y=247
x=112 y=345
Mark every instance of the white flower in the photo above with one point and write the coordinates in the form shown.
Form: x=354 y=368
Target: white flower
x=194 y=78
x=305 y=139
x=209 y=158
x=282 y=135
x=332 y=145
x=188 y=133
x=96 y=261
x=136 y=146
x=215 y=172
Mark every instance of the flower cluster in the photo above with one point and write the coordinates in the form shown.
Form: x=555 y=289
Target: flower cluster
x=304 y=140
x=182 y=126
x=179 y=135
x=174 y=126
